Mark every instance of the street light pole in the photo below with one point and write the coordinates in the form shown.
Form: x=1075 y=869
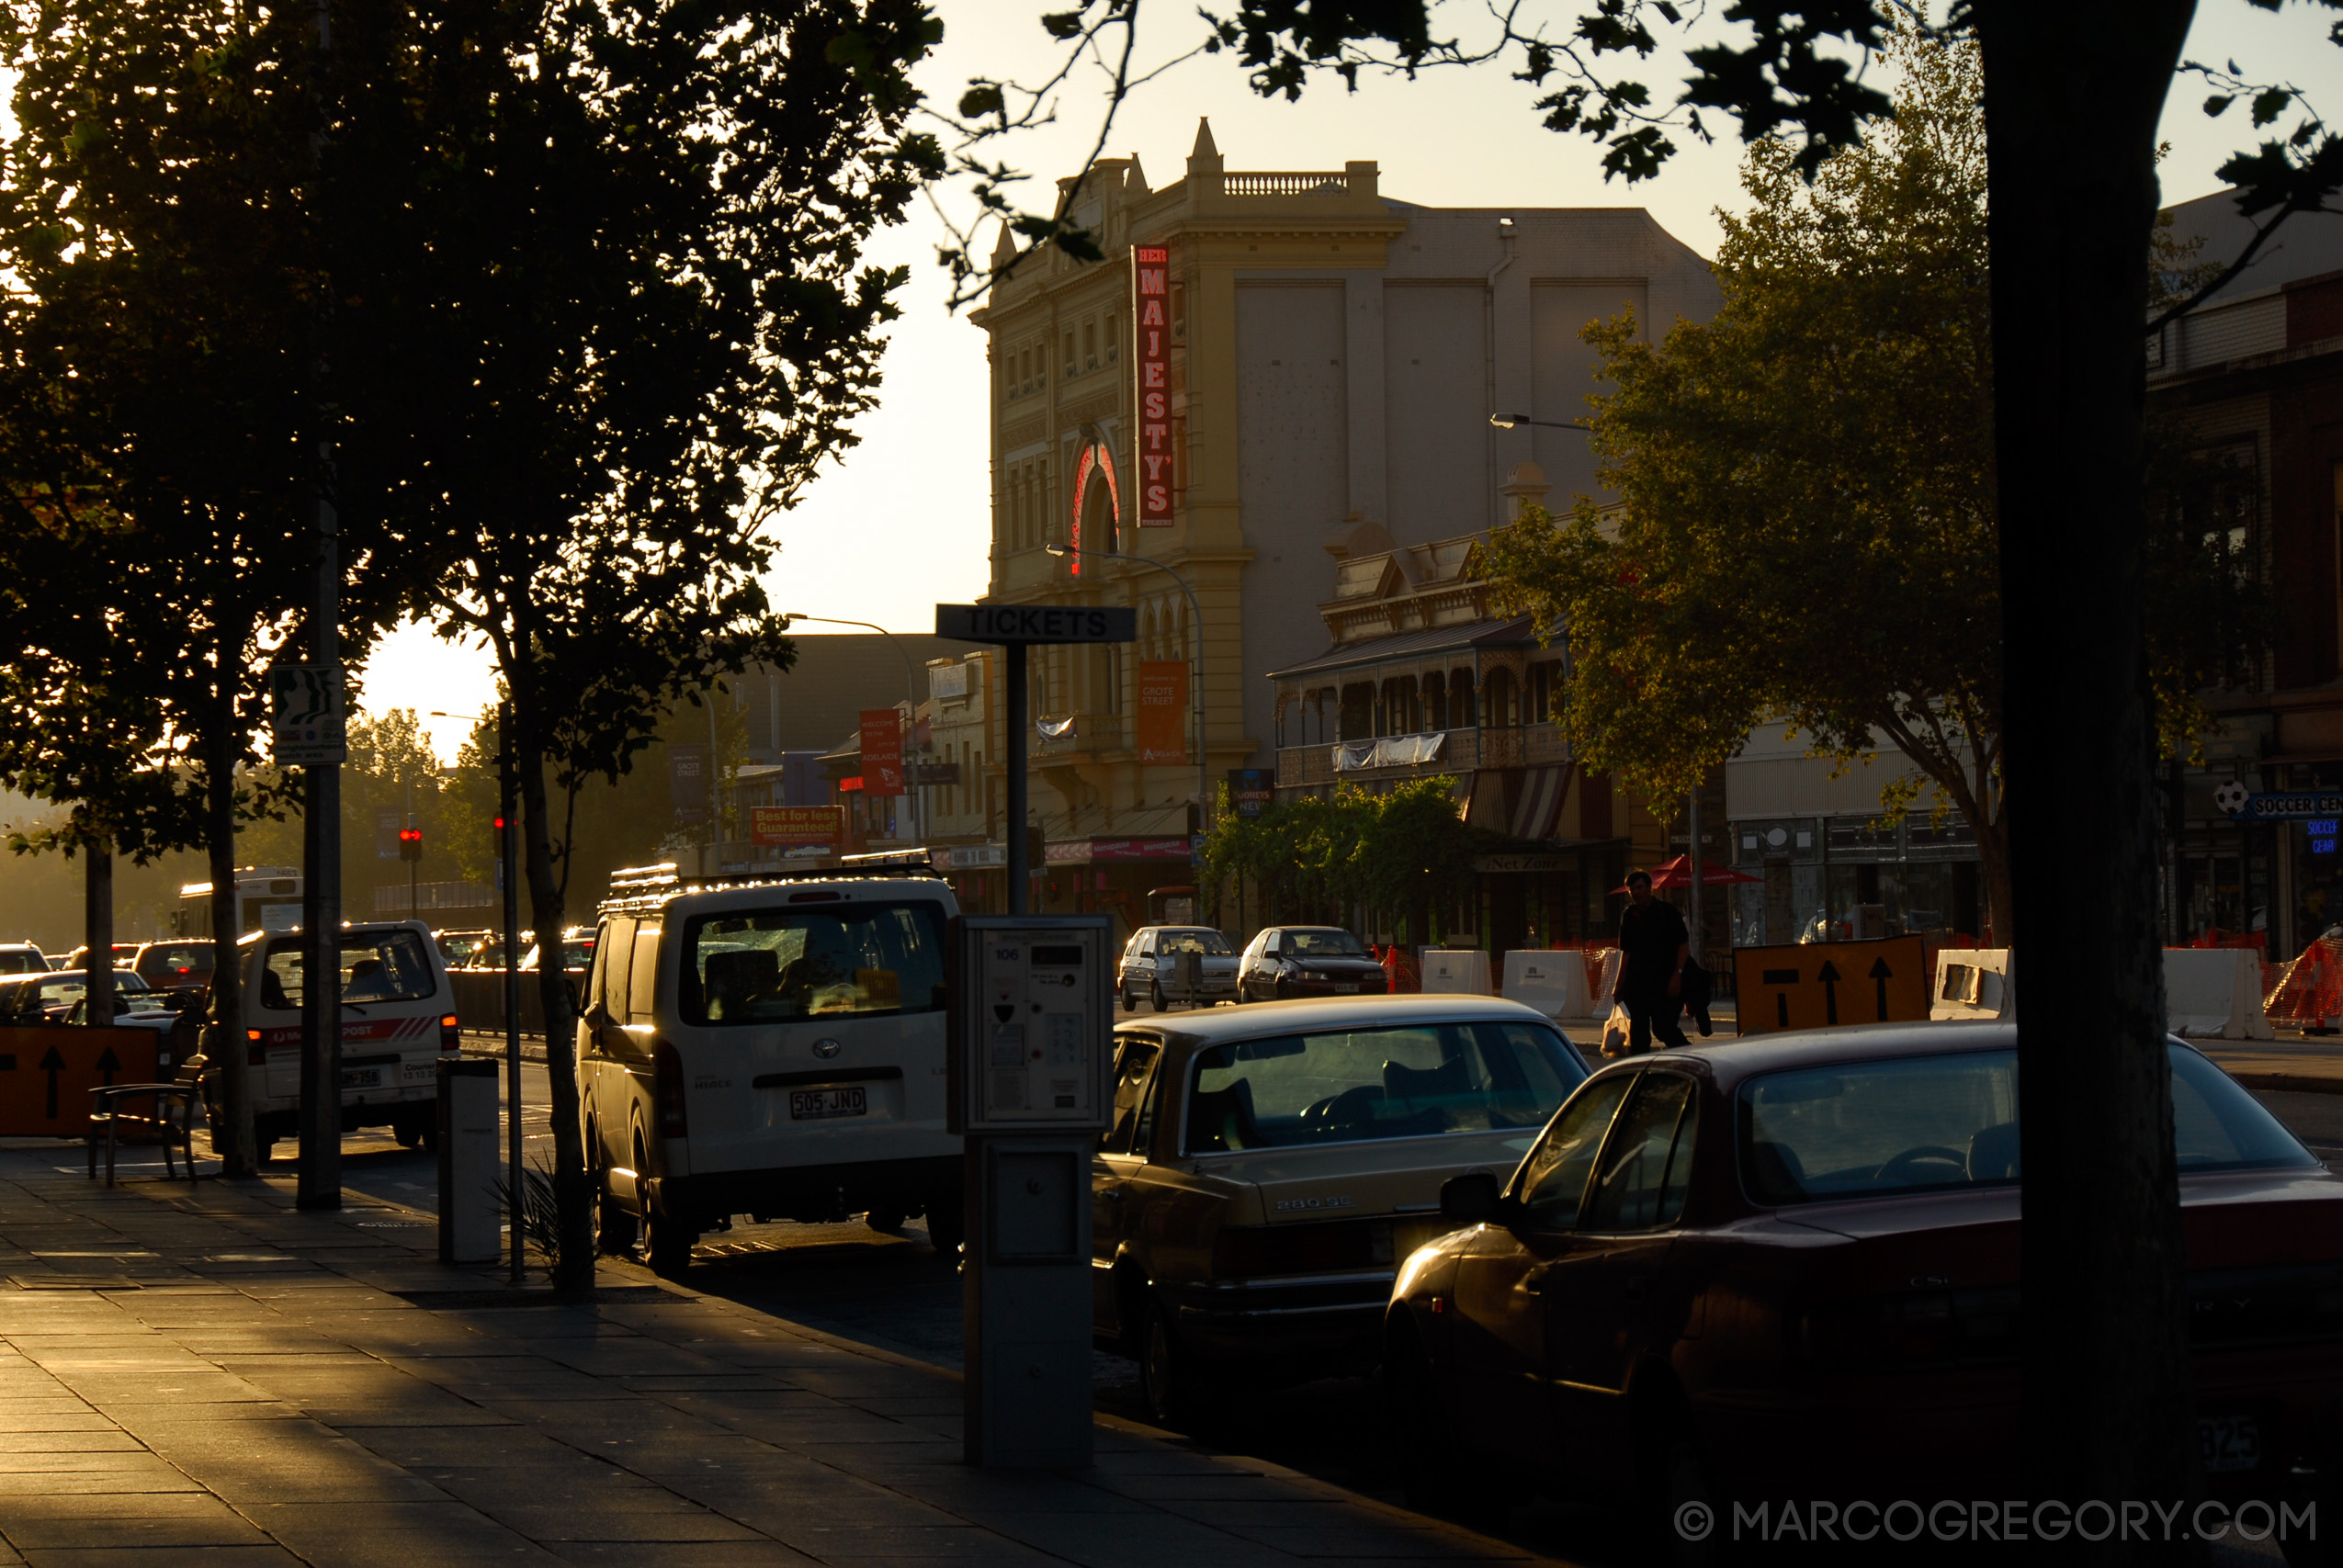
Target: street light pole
x=911 y=695
x=1196 y=619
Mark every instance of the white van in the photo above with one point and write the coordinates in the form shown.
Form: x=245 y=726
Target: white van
x=767 y=1046
x=398 y=1019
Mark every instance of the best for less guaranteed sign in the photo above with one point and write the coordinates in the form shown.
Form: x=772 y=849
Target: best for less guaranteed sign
x=1152 y=356
x=794 y=826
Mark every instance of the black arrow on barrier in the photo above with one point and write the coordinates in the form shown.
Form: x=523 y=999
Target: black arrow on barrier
x=1828 y=975
x=1882 y=974
x=110 y=1064
x=53 y=1064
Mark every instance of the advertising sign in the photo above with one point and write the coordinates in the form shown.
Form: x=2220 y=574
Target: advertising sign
x=882 y=751
x=948 y=682
x=1151 y=357
x=1163 y=710
x=795 y=827
x=1250 y=790
x=2298 y=806
x=687 y=782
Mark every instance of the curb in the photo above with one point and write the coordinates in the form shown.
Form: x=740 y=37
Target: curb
x=2290 y=1083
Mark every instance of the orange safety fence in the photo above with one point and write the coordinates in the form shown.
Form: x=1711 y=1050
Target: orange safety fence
x=2308 y=992
x=1404 y=976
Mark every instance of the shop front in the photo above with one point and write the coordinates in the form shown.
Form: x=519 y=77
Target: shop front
x=1848 y=876
x=1136 y=880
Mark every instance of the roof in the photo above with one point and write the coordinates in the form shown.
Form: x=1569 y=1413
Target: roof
x=1732 y=1059
x=2307 y=245
x=1519 y=631
x=1184 y=1034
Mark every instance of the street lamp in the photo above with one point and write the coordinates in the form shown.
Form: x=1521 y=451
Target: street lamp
x=1196 y=618
x=1508 y=421
x=910 y=694
x=508 y=875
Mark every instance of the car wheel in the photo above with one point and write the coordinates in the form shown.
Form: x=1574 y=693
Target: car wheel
x=885 y=1221
x=1169 y=1381
x=1424 y=1444
x=1155 y=996
x=613 y=1227
x=667 y=1245
x=1130 y=999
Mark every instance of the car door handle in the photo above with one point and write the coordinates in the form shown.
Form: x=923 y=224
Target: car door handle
x=1113 y=1194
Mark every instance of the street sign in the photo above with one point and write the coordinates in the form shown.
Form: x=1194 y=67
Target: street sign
x=1038 y=623
x=45 y=1074
x=307 y=715
x=1818 y=985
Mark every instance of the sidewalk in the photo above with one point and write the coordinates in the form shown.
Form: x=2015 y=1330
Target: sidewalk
x=215 y=1372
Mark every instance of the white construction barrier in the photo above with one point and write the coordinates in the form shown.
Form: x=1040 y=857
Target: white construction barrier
x=1554 y=983
x=1973 y=982
x=1457 y=969
x=2214 y=993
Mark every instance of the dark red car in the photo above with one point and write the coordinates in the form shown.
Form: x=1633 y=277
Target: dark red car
x=1286 y=961
x=1786 y=1270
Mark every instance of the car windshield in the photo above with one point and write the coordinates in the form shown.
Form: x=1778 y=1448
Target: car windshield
x=1355 y=1085
x=1320 y=944
x=376 y=966
x=68 y=986
x=21 y=960
x=1186 y=941
x=1870 y=1129
x=767 y=965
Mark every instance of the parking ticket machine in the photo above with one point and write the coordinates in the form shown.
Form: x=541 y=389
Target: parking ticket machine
x=1032 y=1035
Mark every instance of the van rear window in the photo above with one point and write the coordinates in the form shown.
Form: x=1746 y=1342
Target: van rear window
x=376 y=966
x=768 y=965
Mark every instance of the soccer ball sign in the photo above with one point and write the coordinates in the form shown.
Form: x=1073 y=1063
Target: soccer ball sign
x=2230 y=797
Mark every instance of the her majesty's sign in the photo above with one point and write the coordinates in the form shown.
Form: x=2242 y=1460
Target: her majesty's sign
x=1151 y=355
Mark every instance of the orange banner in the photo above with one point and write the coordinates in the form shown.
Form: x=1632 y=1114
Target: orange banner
x=882 y=751
x=794 y=826
x=1163 y=710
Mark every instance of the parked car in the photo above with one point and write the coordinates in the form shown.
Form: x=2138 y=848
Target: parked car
x=48 y=996
x=1307 y=961
x=136 y=1009
x=577 y=952
x=1151 y=960
x=22 y=958
x=175 y=965
x=398 y=1018
x=466 y=949
x=1787 y=1269
x=124 y=951
x=775 y=1050
x=1267 y=1167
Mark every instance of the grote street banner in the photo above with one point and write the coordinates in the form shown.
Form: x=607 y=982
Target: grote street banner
x=1163 y=710
x=794 y=826
x=882 y=751
x=687 y=782
x=1151 y=357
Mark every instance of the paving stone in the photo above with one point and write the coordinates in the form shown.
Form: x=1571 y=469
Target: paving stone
x=118 y=1519
x=149 y=1556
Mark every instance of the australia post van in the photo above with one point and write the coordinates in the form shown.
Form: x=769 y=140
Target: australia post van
x=772 y=1047
x=398 y=1019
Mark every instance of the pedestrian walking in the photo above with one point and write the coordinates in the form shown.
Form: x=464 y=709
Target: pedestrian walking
x=1653 y=946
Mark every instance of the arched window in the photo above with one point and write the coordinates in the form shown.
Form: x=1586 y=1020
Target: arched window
x=1463 y=710
x=1499 y=707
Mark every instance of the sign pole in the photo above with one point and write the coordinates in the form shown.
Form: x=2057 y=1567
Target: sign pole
x=505 y=859
x=1020 y=862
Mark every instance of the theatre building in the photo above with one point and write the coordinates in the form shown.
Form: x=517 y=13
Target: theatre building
x=1273 y=378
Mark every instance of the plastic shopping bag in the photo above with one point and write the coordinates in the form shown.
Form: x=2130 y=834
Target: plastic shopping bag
x=1615 y=1031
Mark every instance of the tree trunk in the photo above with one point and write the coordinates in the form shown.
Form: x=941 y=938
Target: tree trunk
x=2073 y=92
x=224 y=1030
x=573 y=1187
x=98 y=931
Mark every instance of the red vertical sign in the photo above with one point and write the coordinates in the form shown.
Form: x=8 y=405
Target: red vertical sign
x=1163 y=710
x=1151 y=315
x=882 y=751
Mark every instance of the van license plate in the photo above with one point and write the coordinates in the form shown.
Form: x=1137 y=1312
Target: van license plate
x=817 y=1104
x=362 y=1078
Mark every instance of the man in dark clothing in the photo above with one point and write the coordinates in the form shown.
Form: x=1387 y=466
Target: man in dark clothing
x=1653 y=948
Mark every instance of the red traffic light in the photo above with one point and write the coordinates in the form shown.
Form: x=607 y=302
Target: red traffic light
x=411 y=843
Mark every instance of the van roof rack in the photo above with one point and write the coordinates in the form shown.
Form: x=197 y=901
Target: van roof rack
x=649 y=883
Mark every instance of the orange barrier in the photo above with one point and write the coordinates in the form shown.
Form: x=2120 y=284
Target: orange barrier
x=45 y=1074
x=1400 y=969
x=2308 y=992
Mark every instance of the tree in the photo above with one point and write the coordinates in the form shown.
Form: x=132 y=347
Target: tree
x=2073 y=92
x=634 y=320
x=154 y=352
x=1405 y=852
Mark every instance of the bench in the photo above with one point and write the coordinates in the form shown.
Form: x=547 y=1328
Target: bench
x=170 y=1121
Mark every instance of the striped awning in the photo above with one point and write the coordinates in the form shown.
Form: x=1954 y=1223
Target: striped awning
x=1540 y=806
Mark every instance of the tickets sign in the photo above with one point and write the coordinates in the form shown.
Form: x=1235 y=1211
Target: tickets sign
x=1151 y=360
x=794 y=826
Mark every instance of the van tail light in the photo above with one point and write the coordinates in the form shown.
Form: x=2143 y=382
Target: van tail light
x=255 y=1051
x=667 y=1092
x=451 y=1033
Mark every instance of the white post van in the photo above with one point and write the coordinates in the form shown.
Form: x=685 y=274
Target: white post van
x=770 y=1046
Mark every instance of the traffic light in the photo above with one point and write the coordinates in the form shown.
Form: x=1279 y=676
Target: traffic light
x=411 y=843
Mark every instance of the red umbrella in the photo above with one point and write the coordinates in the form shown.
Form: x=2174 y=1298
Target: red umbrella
x=1669 y=876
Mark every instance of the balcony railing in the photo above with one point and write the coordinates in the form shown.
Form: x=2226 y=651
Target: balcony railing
x=1290 y=183
x=1460 y=751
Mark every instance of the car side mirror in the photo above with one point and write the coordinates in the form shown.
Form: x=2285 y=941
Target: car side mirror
x=1471 y=1199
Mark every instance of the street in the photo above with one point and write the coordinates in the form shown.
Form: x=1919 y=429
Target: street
x=894 y=1293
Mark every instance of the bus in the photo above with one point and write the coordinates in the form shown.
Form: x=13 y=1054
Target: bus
x=268 y=898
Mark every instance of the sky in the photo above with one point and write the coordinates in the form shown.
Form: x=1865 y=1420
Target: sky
x=901 y=522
